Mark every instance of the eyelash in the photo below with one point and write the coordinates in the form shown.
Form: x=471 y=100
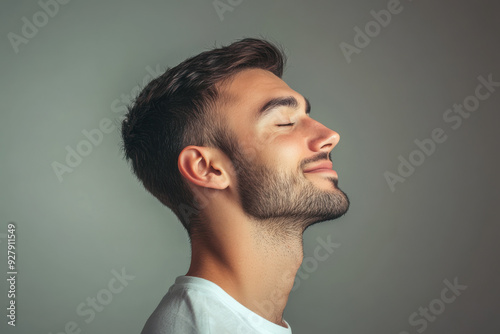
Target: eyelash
x=290 y=124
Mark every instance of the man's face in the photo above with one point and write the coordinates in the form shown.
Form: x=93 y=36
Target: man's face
x=278 y=153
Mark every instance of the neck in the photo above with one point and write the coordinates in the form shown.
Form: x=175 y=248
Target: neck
x=252 y=264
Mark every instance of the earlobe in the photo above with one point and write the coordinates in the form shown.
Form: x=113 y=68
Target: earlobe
x=202 y=166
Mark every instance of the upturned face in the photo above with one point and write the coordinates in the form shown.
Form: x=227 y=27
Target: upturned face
x=283 y=168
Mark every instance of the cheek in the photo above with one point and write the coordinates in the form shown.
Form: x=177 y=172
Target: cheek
x=285 y=152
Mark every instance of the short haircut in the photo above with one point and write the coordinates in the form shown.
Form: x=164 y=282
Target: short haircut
x=178 y=109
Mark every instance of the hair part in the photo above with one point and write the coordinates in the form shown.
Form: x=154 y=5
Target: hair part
x=181 y=108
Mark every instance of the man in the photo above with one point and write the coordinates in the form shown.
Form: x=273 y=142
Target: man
x=231 y=149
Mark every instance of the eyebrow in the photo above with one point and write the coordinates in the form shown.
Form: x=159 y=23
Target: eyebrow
x=283 y=101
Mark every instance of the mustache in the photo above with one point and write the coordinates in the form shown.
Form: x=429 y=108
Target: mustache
x=318 y=157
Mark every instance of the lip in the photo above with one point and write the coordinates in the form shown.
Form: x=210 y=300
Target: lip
x=322 y=167
x=322 y=170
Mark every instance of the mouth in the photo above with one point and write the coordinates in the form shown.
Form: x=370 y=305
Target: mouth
x=323 y=170
x=321 y=167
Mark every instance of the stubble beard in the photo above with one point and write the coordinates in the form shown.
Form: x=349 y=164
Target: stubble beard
x=285 y=202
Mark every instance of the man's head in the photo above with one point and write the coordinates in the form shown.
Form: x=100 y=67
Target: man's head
x=211 y=107
x=281 y=155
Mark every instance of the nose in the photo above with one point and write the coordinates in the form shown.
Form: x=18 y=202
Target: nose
x=323 y=138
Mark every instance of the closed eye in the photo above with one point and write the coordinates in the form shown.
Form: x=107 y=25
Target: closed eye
x=287 y=124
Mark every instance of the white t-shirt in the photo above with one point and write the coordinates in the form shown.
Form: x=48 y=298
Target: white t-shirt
x=194 y=305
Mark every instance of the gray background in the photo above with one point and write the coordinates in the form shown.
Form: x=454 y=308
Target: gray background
x=396 y=248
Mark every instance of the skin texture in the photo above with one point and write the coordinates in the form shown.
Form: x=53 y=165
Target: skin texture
x=259 y=201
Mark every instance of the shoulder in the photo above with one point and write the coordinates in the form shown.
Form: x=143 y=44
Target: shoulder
x=195 y=306
x=180 y=311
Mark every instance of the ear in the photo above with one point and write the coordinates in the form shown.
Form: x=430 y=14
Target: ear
x=204 y=166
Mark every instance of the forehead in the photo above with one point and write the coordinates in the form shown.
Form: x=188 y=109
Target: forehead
x=250 y=89
x=256 y=80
